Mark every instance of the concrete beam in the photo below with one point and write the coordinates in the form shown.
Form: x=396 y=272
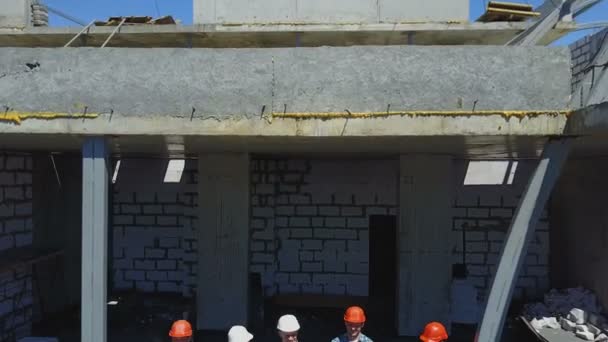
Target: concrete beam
x=94 y=240
x=220 y=85
x=426 y=193
x=520 y=233
x=278 y=35
x=223 y=235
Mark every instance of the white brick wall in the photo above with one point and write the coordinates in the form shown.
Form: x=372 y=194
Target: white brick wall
x=485 y=213
x=309 y=222
x=15 y=231
x=154 y=246
x=583 y=52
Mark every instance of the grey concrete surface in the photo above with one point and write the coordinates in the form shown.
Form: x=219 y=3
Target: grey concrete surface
x=248 y=83
x=320 y=11
x=15 y=14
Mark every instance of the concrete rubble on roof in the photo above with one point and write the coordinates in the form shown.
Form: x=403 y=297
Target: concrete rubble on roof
x=577 y=309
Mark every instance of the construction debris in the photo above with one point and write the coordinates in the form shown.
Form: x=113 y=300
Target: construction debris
x=575 y=310
x=114 y=21
x=507 y=11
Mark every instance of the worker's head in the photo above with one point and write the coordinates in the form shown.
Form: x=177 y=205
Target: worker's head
x=434 y=332
x=181 y=331
x=354 y=320
x=239 y=333
x=288 y=328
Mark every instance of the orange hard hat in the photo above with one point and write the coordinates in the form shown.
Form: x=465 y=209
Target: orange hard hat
x=181 y=328
x=354 y=314
x=434 y=332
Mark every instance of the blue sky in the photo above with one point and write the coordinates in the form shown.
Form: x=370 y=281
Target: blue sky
x=87 y=10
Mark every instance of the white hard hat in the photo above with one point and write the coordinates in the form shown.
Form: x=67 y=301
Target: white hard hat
x=288 y=323
x=239 y=333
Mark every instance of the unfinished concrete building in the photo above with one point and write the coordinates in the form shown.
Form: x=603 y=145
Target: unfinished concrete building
x=345 y=165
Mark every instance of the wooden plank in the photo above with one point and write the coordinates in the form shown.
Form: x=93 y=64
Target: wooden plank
x=510 y=5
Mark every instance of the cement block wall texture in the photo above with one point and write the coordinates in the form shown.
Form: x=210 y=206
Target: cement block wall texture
x=242 y=83
x=330 y=12
x=16 y=230
x=15 y=14
x=154 y=243
x=583 y=51
x=309 y=222
x=484 y=213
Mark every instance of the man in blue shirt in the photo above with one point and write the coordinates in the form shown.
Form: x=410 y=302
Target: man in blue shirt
x=354 y=320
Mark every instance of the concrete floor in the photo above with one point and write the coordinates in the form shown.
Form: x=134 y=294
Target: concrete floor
x=150 y=320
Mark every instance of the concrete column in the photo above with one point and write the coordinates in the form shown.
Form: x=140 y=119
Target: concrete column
x=522 y=227
x=223 y=241
x=426 y=193
x=94 y=239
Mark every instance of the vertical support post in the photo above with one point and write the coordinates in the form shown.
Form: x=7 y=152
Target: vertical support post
x=94 y=239
x=425 y=243
x=223 y=247
x=522 y=228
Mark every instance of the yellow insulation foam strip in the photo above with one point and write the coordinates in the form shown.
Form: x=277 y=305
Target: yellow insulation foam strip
x=17 y=117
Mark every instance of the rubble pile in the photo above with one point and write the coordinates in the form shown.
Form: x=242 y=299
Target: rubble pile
x=576 y=310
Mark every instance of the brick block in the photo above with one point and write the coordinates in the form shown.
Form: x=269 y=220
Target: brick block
x=478 y=212
x=156 y=275
x=24 y=178
x=14 y=193
x=281 y=221
x=145 y=286
x=7 y=178
x=475 y=236
x=334 y=289
x=305 y=233
x=459 y=224
x=169 y=242
x=478 y=270
x=492 y=258
x=334 y=245
x=175 y=276
x=155 y=253
x=475 y=258
x=300 y=278
x=352 y=211
x=477 y=247
x=14 y=163
x=312 y=289
x=267 y=234
x=329 y=211
x=165 y=286
x=312 y=244
x=130 y=209
x=122 y=219
x=376 y=211
x=345 y=234
x=500 y=224
x=7 y=242
x=24 y=239
x=145 y=220
x=297 y=165
x=312 y=267
x=135 y=275
x=318 y=221
x=257 y=223
x=323 y=233
x=306 y=210
x=357 y=267
x=166 y=265
x=28 y=192
x=150 y=197
x=306 y=256
x=23 y=209
x=501 y=212
x=142 y=264
x=299 y=222
x=356 y=222
x=299 y=199
x=17 y=225
x=333 y=265
x=6 y=307
x=288 y=189
x=335 y=222
x=496 y=236
x=167 y=221
x=284 y=210
x=152 y=209
x=264 y=189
